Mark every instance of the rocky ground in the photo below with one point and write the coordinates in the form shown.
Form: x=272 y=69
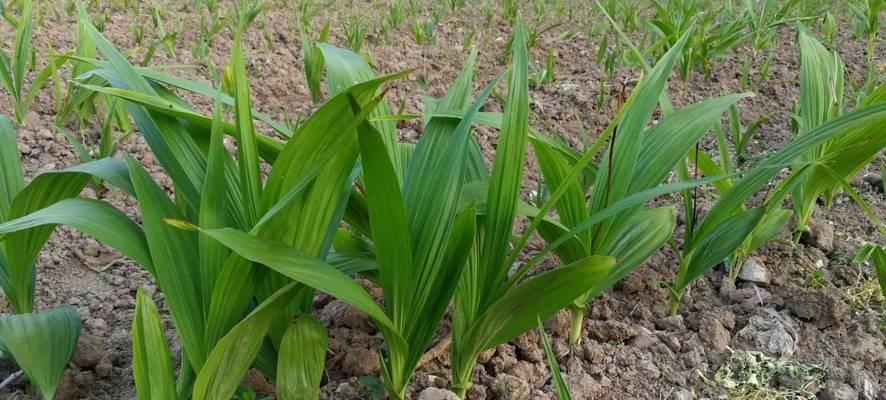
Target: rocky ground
x=815 y=315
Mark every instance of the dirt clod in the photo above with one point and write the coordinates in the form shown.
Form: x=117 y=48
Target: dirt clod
x=819 y=306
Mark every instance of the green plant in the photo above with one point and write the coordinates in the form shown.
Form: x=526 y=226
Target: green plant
x=355 y=33
x=866 y=21
x=728 y=225
x=395 y=13
x=313 y=59
x=40 y=343
x=711 y=34
x=208 y=291
x=836 y=161
x=563 y=392
x=14 y=71
x=876 y=254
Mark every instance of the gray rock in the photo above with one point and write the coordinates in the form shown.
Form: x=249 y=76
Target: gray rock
x=582 y=386
x=839 y=391
x=770 y=332
x=682 y=394
x=754 y=271
x=433 y=393
x=671 y=323
x=509 y=387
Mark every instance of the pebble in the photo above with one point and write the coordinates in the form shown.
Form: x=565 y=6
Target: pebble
x=754 y=271
x=433 y=393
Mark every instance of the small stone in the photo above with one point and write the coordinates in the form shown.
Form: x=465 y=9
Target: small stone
x=559 y=324
x=770 y=332
x=88 y=353
x=671 y=323
x=505 y=358
x=97 y=325
x=433 y=393
x=528 y=347
x=477 y=392
x=682 y=394
x=650 y=370
x=346 y=391
x=820 y=235
x=610 y=331
x=714 y=334
x=485 y=356
x=104 y=369
x=582 y=386
x=509 y=387
x=44 y=134
x=822 y=307
x=359 y=361
x=642 y=341
x=93 y=249
x=839 y=391
x=341 y=314
x=754 y=271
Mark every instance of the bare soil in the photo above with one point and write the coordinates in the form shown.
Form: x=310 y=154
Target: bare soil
x=631 y=350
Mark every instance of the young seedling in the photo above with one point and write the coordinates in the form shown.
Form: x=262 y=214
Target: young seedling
x=14 y=71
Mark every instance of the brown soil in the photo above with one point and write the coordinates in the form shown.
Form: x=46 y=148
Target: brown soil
x=632 y=350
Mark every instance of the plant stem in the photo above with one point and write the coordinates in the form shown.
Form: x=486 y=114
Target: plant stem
x=575 y=329
x=675 y=304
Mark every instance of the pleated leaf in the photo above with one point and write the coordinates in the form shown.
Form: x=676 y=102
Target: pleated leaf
x=234 y=354
x=715 y=247
x=151 y=362
x=176 y=262
x=41 y=344
x=302 y=359
x=11 y=179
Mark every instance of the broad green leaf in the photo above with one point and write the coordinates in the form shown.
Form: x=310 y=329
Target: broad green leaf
x=47 y=188
x=519 y=309
x=878 y=258
x=41 y=344
x=507 y=169
x=170 y=142
x=300 y=267
x=302 y=359
x=11 y=179
x=201 y=89
x=269 y=148
x=176 y=263
x=344 y=69
x=646 y=232
x=95 y=218
x=247 y=150
x=389 y=227
x=234 y=354
x=769 y=228
x=151 y=362
x=212 y=207
x=863 y=122
x=716 y=246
